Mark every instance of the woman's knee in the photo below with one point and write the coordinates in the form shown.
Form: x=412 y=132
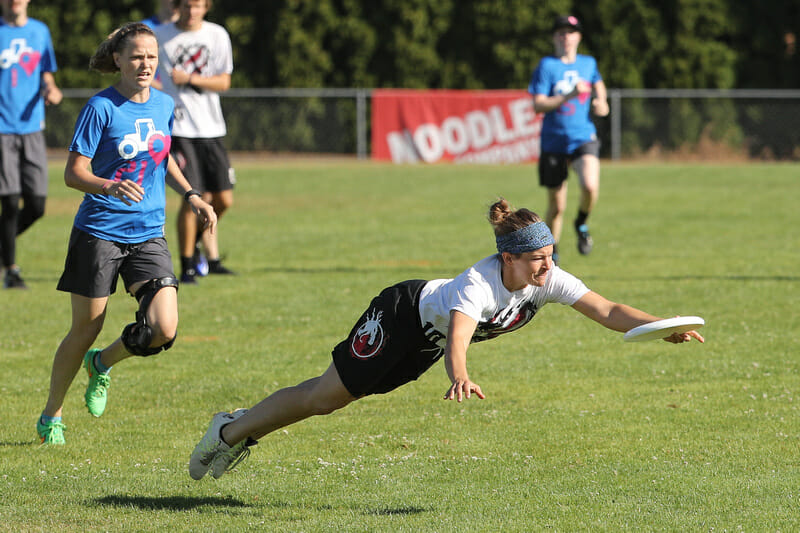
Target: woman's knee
x=163 y=334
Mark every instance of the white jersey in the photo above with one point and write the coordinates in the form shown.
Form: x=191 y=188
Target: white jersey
x=479 y=293
x=207 y=51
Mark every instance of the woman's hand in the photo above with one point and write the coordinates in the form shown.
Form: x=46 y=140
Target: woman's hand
x=677 y=338
x=206 y=213
x=126 y=190
x=463 y=388
x=600 y=107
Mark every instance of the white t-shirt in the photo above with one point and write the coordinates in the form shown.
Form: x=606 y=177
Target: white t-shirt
x=207 y=51
x=479 y=293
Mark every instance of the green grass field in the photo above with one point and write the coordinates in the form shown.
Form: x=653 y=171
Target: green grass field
x=579 y=431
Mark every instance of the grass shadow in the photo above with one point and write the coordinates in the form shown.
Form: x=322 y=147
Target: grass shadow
x=396 y=511
x=167 y=503
x=32 y=443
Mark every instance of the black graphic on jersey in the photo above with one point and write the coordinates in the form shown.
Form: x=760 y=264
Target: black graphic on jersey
x=510 y=320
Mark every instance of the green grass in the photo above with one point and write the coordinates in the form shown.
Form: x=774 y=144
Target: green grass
x=579 y=431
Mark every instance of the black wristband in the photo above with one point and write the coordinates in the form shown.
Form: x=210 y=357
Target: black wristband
x=191 y=192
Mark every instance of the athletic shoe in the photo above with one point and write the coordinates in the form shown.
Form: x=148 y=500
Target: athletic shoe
x=200 y=263
x=188 y=277
x=226 y=460
x=584 y=239
x=13 y=280
x=212 y=450
x=216 y=267
x=97 y=390
x=51 y=433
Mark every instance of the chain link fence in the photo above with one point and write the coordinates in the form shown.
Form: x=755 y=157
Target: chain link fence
x=643 y=123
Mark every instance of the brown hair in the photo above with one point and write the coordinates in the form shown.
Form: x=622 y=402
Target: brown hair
x=506 y=220
x=103 y=58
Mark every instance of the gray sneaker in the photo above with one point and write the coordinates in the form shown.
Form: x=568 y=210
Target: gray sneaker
x=212 y=449
x=227 y=459
x=585 y=242
x=13 y=279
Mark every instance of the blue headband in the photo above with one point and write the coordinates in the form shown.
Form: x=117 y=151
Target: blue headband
x=527 y=239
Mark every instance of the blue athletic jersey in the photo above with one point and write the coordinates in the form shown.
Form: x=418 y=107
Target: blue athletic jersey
x=568 y=127
x=25 y=53
x=125 y=140
x=152 y=22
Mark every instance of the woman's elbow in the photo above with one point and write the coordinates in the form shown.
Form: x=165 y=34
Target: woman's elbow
x=70 y=179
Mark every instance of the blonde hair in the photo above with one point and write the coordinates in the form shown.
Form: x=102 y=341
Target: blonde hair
x=103 y=58
x=506 y=220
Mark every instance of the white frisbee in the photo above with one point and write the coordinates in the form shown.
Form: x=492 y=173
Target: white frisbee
x=663 y=328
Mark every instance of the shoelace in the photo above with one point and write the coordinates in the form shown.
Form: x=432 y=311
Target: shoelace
x=53 y=427
x=236 y=456
x=103 y=380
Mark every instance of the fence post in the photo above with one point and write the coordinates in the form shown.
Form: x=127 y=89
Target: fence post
x=616 y=124
x=361 y=123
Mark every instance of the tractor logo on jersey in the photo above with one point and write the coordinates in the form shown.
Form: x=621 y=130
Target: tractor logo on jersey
x=146 y=139
x=19 y=53
x=369 y=338
x=566 y=86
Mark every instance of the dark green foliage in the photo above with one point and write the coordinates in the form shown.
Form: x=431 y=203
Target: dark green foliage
x=470 y=44
x=463 y=43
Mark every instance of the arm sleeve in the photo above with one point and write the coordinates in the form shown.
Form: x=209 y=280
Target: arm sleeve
x=88 y=131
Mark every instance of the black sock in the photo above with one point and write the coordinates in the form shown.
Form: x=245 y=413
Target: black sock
x=187 y=263
x=581 y=219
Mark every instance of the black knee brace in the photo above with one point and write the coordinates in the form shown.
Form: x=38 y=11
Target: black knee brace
x=138 y=335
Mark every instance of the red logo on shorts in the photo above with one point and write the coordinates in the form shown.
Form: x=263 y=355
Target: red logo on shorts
x=369 y=338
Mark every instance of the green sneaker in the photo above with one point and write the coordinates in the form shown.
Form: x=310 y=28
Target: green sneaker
x=52 y=433
x=97 y=390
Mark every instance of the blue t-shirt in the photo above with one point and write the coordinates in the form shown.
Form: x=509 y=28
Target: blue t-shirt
x=25 y=53
x=152 y=22
x=567 y=128
x=125 y=140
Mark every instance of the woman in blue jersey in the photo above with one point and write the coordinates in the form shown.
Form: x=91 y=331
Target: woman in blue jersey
x=409 y=326
x=566 y=87
x=119 y=157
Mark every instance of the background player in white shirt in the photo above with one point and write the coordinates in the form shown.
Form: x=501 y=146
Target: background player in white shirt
x=195 y=65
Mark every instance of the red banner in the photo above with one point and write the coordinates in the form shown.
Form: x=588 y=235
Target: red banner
x=459 y=126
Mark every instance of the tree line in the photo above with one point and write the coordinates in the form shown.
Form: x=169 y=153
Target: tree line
x=464 y=44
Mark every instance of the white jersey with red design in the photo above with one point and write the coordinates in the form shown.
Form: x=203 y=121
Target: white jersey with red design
x=479 y=293
x=207 y=51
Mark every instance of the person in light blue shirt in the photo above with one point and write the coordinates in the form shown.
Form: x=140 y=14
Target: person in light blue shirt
x=119 y=157
x=27 y=64
x=166 y=13
x=566 y=87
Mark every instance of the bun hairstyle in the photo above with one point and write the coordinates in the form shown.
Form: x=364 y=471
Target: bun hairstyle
x=103 y=58
x=506 y=220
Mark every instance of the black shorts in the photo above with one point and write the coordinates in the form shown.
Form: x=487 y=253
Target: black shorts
x=386 y=348
x=554 y=167
x=93 y=265
x=204 y=162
